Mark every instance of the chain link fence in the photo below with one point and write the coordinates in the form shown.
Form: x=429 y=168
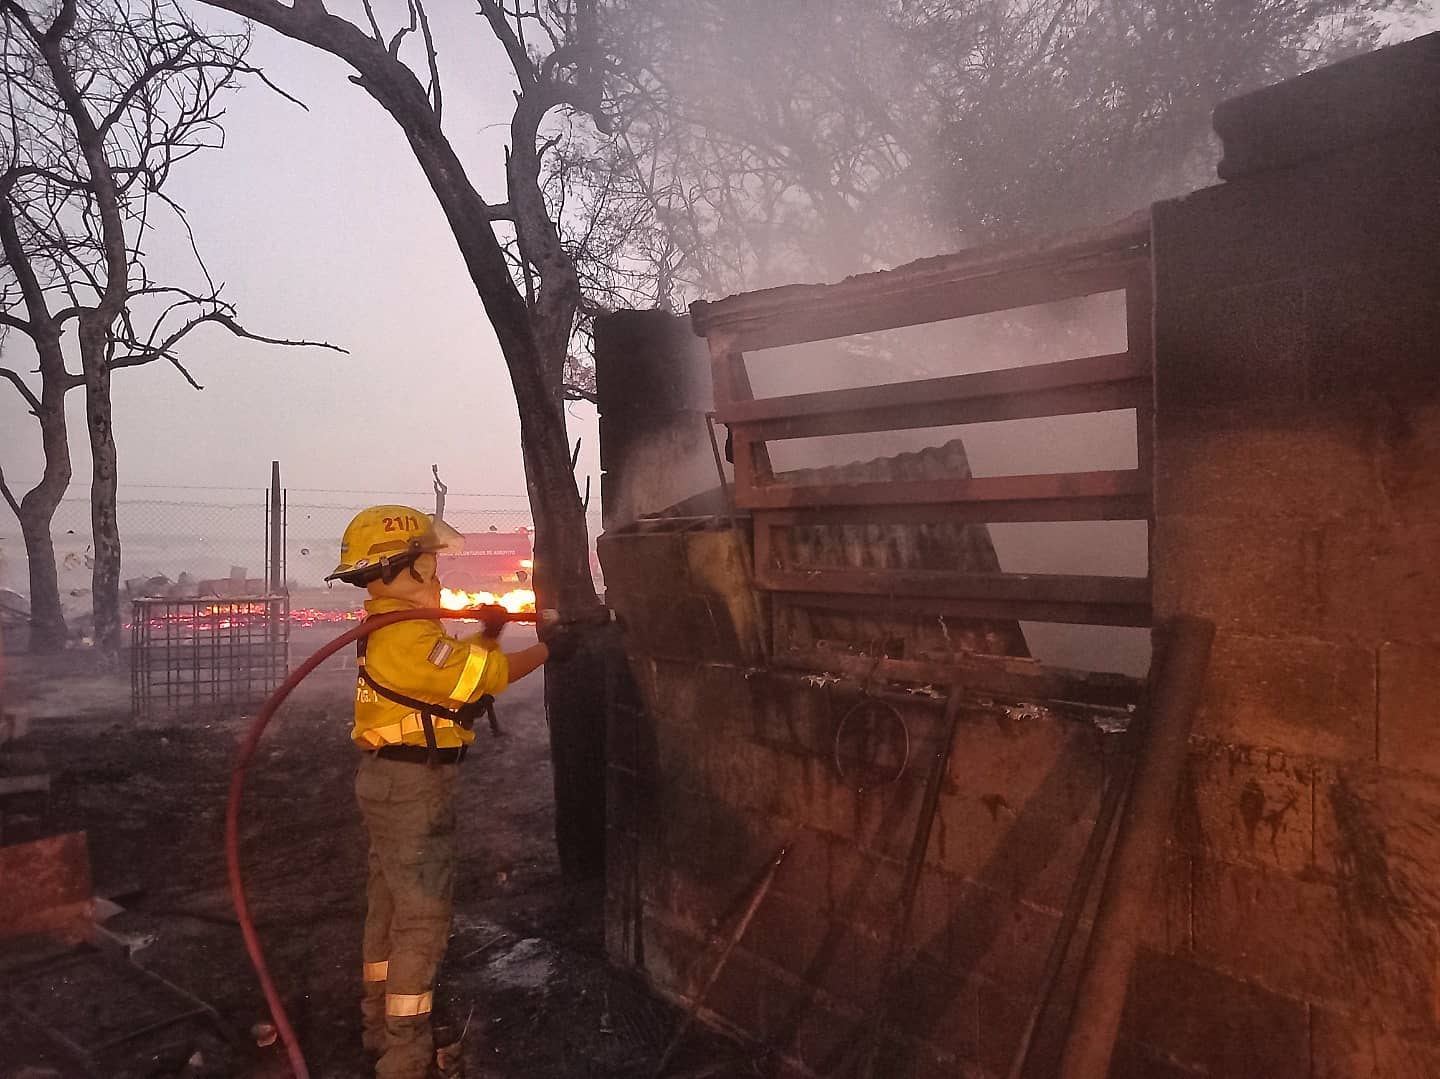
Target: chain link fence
x=219 y=533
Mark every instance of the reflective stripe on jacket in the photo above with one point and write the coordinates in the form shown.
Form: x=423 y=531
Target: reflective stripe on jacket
x=418 y=659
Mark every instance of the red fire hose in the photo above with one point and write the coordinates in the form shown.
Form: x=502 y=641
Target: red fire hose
x=237 y=786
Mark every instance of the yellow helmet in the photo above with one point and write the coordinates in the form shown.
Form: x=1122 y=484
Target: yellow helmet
x=383 y=540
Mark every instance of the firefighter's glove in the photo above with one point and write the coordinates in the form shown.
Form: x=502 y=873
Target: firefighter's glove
x=562 y=643
x=494 y=622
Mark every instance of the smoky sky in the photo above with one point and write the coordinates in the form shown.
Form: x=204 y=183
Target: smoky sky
x=321 y=226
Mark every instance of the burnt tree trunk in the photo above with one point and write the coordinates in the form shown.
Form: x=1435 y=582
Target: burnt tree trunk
x=96 y=328
x=36 y=510
x=533 y=330
x=105 y=574
x=573 y=699
x=47 y=618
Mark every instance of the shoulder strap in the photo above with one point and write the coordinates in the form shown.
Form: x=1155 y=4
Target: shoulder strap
x=394 y=695
x=463 y=716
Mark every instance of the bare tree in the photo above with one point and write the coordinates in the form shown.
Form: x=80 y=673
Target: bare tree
x=512 y=249
x=102 y=99
x=527 y=279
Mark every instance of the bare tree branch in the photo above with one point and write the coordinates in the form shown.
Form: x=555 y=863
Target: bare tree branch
x=394 y=47
x=431 y=58
x=520 y=61
x=25 y=391
x=18 y=259
x=374 y=26
x=260 y=74
x=9 y=497
x=17 y=323
x=163 y=349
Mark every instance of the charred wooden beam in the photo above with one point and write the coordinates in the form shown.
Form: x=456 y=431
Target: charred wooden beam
x=1004 y=677
x=1092 y=384
x=989 y=490
x=1134 y=506
x=932 y=290
x=940 y=584
x=1144 y=827
x=923 y=599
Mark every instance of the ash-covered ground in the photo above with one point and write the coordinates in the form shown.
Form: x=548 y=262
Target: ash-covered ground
x=525 y=967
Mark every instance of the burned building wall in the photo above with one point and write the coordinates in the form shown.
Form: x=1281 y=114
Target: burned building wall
x=715 y=761
x=1294 y=930
x=719 y=761
x=1298 y=506
x=717 y=758
x=653 y=390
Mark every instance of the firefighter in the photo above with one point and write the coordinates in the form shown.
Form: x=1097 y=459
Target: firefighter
x=416 y=698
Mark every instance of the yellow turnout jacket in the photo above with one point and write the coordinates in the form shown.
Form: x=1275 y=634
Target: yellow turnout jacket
x=418 y=659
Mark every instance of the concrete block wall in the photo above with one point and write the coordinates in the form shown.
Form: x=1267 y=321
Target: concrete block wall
x=717 y=762
x=1295 y=930
x=1298 y=506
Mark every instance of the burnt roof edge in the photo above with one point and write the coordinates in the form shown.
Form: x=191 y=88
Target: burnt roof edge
x=1132 y=232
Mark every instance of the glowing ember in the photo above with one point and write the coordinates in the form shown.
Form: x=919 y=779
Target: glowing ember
x=230 y=616
x=311 y=616
x=516 y=600
x=241 y=615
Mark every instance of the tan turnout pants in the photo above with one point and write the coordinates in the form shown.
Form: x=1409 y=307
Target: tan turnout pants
x=409 y=811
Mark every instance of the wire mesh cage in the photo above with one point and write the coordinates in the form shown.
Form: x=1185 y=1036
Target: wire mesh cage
x=187 y=652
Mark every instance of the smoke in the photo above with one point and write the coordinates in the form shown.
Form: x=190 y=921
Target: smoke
x=797 y=141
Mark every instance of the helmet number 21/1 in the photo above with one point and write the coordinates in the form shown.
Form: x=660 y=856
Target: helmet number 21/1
x=402 y=524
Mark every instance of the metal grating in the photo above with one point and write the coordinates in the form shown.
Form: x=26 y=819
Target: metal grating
x=95 y=1005
x=206 y=651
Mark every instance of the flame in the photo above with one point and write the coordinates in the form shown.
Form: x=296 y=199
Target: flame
x=515 y=601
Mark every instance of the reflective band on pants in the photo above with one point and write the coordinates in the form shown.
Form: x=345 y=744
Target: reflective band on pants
x=377 y=972
x=407 y=1004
